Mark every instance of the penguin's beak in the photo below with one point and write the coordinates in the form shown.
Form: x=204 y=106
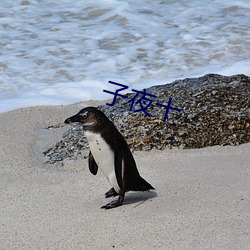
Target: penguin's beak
x=74 y=118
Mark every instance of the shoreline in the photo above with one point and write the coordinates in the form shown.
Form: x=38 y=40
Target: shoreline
x=201 y=197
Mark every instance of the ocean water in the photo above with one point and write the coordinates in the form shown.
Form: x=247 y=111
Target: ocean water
x=61 y=52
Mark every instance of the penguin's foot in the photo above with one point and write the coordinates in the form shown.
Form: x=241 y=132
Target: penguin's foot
x=113 y=204
x=111 y=193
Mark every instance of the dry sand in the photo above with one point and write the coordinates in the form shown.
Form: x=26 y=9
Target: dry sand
x=201 y=201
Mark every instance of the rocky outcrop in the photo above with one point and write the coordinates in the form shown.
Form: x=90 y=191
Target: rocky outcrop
x=215 y=110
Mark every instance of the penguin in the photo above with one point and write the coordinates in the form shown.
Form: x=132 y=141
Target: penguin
x=110 y=152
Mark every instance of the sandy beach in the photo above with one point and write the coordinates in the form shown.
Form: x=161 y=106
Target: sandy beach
x=201 y=198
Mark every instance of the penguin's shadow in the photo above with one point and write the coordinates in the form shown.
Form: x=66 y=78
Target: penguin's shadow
x=137 y=198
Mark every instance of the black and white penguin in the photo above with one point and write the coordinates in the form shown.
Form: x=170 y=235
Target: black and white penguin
x=110 y=152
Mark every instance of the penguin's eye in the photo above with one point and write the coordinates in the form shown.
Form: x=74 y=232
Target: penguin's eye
x=84 y=115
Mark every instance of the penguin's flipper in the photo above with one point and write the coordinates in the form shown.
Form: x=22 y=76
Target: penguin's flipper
x=93 y=167
x=111 y=193
x=118 y=166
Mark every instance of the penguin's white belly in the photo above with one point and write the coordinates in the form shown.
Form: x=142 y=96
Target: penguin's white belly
x=104 y=157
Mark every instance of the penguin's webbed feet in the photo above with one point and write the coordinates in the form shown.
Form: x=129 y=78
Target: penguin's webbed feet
x=113 y=204
x=111 y=193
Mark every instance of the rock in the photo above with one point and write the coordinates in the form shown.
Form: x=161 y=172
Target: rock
x=215 y=110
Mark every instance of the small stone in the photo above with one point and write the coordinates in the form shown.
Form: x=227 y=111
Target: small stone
x=182 y=132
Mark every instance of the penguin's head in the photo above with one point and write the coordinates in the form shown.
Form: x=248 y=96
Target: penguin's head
x=88 y=117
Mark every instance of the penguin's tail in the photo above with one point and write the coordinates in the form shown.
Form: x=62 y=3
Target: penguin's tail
x=141 y=185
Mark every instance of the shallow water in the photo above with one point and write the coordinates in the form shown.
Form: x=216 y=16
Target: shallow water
x=63 y=52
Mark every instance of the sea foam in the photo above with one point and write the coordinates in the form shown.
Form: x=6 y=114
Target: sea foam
x=62 y=52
